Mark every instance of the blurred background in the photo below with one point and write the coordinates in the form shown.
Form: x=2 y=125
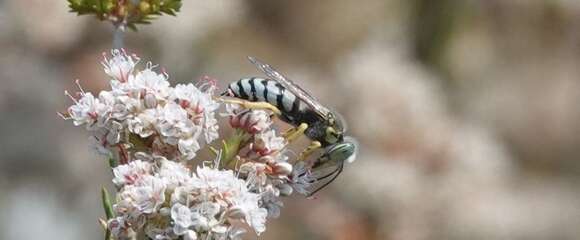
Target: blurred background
x=466 y=111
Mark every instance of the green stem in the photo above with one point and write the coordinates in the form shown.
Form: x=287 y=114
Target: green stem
x=108 y=234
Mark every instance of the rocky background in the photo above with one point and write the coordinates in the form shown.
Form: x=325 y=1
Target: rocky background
x=467 y=112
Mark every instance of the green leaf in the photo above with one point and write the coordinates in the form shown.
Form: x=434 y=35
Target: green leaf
x=107 y=203
x=232 y=146
x=113 y=162
x=134 y=12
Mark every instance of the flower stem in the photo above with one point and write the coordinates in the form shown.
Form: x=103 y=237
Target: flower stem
x=118 y=36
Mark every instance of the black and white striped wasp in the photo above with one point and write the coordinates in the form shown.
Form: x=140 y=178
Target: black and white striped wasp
x=297 y=107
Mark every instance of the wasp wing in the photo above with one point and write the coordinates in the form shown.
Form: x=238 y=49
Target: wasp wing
x=293 y=87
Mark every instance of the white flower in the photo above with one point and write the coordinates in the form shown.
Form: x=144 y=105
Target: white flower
x=267 y=142
x=181 y=194
x=201 y=105
x=204 y=218
x=235 y=193
x=129 y=174
x=190 y=235
x=173 y=173
x=150 y=82
x=223 y=180
x=210 y=126
x=188 y=147
x=271 y=201
x=173 y=122
x=144 y=123
x=146 y=196
x=255 y=216
x=120 y=65
x=255 y=173
x=105 y=137
x=189 y=96
x=126 y=107
x=85 y=110
x=182 y=218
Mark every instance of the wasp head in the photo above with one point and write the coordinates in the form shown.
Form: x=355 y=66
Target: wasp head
x=338 y=154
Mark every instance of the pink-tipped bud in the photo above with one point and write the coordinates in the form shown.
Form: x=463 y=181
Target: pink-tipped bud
x=282 y=168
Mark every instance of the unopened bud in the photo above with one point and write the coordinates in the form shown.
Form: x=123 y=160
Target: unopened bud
x=285 y=189
x=150 y=100
x=283 y=168
x=164 y=211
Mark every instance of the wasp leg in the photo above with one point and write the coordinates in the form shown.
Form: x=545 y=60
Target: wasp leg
x=253 y=105
x=295 y=132
x=335 y=172
x=309 y=150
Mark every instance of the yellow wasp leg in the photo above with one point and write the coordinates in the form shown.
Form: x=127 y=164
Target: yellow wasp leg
x=253 y=105
x=309 y=150
x=295 y=132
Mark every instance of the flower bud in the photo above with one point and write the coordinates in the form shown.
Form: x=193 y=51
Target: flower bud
x=164 y=211
x=150 y=100
x=285 y=189
x=283 y=168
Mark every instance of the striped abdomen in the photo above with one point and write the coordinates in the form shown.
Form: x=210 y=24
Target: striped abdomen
x=294 y=111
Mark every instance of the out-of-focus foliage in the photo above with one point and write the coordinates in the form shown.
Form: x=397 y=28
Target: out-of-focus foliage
x=127 y=12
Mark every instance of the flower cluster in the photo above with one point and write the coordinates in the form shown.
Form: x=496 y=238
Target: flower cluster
x=155 y=131
x=175 y=121
x=125 y=13
x=165 y=200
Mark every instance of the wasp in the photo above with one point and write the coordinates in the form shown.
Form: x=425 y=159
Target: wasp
x=295 y=106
